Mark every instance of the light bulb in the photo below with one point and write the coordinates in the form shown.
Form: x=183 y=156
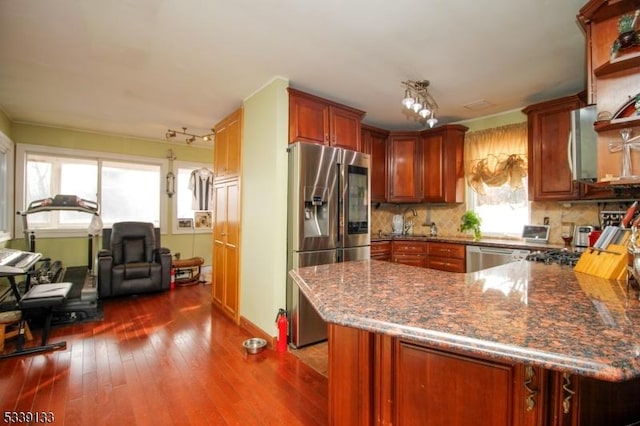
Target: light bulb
x=432 y=121
x=417 y=106
x=408 y=99
x=424 y=112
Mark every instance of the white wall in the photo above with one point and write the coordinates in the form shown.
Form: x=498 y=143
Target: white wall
x=264 y=205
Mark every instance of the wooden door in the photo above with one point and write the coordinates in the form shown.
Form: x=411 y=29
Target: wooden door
x=344 y=129
x=226 y=247
x=219 y=242
x=232 y=247
x=308 y=118
x=374 y=143
x=228 y=145
x=442 y=164
x=440 y=388
x=549 y=127
x=405 y=184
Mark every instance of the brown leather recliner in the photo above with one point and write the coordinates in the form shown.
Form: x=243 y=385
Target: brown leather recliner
x=132 y=261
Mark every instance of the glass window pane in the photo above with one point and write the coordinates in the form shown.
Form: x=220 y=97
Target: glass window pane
x=130 y=192
x=504 y=211
x=80 y=179
x=3 y=191
x=39 y=186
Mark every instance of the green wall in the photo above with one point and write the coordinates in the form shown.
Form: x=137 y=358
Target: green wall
x=5 y=124
x=496 y=120
x=73 y=251
x=264 y=205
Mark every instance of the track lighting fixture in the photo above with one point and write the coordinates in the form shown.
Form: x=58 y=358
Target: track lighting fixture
x=418 y=100
x=191 y=138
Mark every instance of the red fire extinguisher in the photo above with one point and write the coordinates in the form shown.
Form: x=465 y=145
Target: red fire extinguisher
x=173 y=278
x=283 y=326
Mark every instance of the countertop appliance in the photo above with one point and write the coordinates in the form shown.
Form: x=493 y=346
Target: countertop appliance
x=482 y=257
x=328 y=221
x=581 y=236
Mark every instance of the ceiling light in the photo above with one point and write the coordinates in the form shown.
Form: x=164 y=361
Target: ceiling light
x=418 y=100
x=191 y=138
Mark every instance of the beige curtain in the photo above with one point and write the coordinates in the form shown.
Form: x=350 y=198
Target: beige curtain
x=496 y=156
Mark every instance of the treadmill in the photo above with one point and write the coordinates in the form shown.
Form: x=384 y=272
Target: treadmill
x=82 y=301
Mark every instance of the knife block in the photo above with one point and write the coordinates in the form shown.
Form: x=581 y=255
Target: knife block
x=610 y=264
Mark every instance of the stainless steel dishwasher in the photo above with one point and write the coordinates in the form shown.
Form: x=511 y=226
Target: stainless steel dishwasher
x=482 y=257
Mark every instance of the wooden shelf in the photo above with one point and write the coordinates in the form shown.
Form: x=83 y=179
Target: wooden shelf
x=622 y=63
x=618 y=123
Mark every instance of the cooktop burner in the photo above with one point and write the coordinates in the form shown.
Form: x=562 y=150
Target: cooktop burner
x=559 y=256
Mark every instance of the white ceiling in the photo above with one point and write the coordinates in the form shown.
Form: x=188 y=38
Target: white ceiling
x=138 y=67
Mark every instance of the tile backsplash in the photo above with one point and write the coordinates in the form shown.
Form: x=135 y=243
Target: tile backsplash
x=447 y=217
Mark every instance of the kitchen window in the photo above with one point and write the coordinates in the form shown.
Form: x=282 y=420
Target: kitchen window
x=496 y=173
x=127 y=188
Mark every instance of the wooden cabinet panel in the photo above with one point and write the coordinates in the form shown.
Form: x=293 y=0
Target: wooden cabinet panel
x=453 y=251
x=443 y=165
x=228 y=145
x=446 y=264
x=549 y=126
x=412 y=253
x=381 y=250
x=344 y=128
x=440 y=388
x=405 y=183
x=308 y=119
x=374 y=143
x=316 y=120
x=350 y=366
x=226 y=247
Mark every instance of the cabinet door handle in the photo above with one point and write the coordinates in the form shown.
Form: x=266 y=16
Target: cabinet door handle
x=530 y=400
x=224 y=234
x=570 y=154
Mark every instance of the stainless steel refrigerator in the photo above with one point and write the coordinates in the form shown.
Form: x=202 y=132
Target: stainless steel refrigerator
x=328 y=222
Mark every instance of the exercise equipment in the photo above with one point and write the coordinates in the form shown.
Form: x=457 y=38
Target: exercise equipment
x=82 y=299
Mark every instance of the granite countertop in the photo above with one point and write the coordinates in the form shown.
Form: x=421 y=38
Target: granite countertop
x=487 y=242
x=544 y=315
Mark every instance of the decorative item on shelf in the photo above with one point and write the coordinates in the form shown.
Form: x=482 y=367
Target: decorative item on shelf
x=627 y=34
x=470 y=221
x=625 y=147
x=419 y=101
x=191 y=138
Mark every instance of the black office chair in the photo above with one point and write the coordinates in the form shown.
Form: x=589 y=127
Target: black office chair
x=132 y=260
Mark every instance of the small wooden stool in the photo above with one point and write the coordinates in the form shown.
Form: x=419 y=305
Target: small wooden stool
x=10 y=327
x=187 y=270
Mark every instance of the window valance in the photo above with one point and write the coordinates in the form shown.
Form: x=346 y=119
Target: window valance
x=496 y=156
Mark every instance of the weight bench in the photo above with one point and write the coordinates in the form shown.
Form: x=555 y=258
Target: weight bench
x=43 y=297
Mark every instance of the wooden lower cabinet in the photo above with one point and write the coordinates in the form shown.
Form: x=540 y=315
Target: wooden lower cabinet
x=446 y=257
x=384 y=380
x=381 y=250
x=412 y=253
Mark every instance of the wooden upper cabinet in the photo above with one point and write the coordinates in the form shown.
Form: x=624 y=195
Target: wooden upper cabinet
x=316 y=120
x=374 y=143
x=443 y=165
x=404 y=158
x=549 y=127
x=228 y=145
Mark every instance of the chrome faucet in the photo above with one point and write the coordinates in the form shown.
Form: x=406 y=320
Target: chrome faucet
x=407 y=225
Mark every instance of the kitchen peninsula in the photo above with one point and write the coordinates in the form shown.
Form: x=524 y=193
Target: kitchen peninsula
x=519 y=344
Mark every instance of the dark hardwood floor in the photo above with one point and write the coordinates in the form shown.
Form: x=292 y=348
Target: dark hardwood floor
x=162 y=359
